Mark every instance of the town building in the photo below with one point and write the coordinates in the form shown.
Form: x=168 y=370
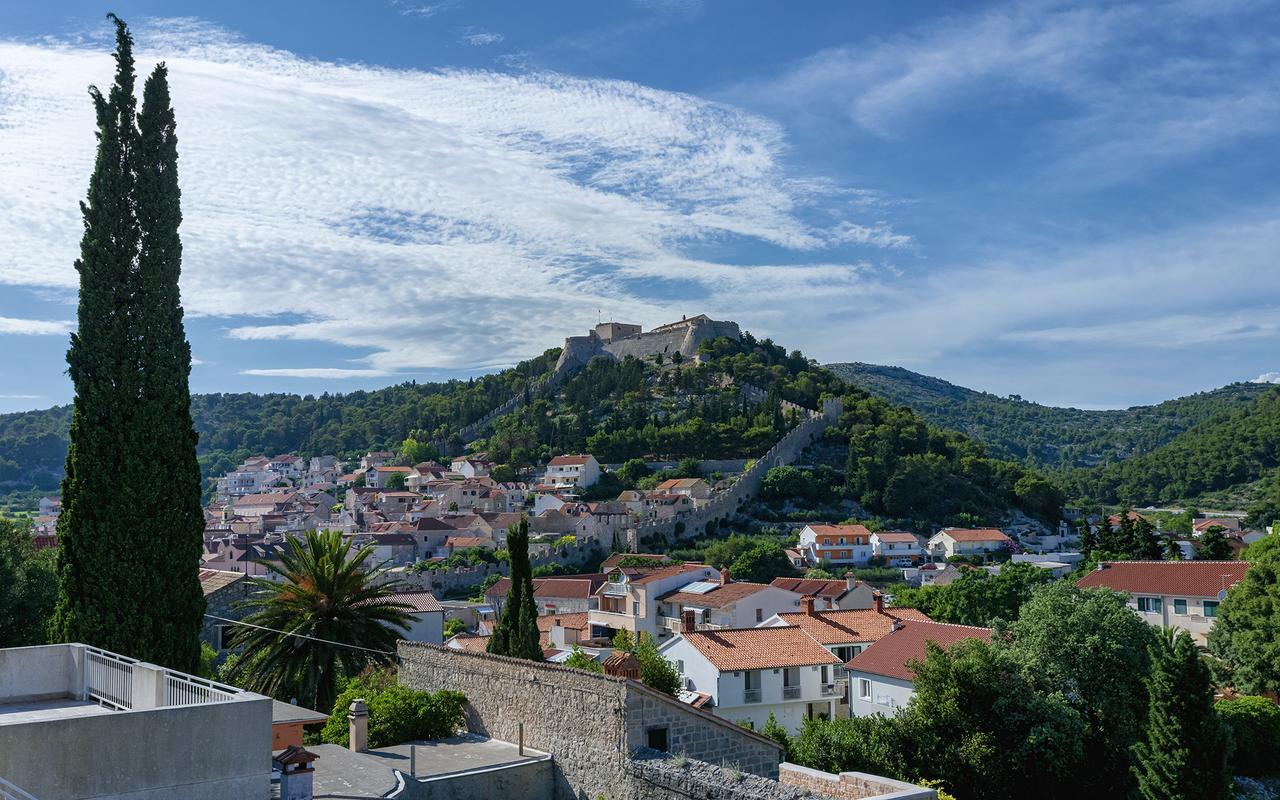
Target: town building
x=836 y=544
x=1183 y=595
x=951 y=542
x=849 y=593
x=723 y=604
x=897 y=548
x=881 y=679
x=628 y=599
x=750 y=673
x=568 y=472
x=562 y=594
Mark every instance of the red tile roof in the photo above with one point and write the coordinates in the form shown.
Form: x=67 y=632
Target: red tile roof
x=759 y=648
x=719 y=597
x=850 y=627
x=616 y=558
x=568 y=461
x=975 y=534
x=1183 y=578
x=468 y=641
x=840 y=530
x=211 y=580
x=420 y=601
x=664 y=572
x=891 y=655
x=577 y=587
x=574 y=621
x=897 y=537
x=830 y=589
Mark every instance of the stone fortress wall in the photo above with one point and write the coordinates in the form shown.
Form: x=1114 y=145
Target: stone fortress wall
x=683 y=337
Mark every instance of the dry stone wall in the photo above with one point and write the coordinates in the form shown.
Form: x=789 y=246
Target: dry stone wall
x=590 y=723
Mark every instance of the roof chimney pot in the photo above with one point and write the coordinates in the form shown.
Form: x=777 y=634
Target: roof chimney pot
x=806 y=604
x=724 y=577
x=687 y=623
x=877 y=598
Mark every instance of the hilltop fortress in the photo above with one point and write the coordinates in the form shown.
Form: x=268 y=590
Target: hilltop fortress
x=618 y=340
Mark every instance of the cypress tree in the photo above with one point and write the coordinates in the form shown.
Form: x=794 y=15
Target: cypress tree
x=1187 y=747
x=131 y=526
x=172 y=524
x=516 y=633
x=1214 y=545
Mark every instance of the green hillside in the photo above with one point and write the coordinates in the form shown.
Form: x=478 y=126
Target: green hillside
x=1014 y=428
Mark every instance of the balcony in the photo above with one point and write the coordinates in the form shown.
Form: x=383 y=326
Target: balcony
x=675 y=625
x=790 y=692
x=611 y=619
x=751 y=696
x=830 y=690
x=616 y=589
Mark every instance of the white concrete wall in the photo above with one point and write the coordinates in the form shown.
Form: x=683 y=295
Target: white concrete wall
x=888 y=695
x=34 y=673
x=427 y=626
x=767 y=601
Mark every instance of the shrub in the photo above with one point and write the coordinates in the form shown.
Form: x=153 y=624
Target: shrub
x=1255 y=721
x=396 y=714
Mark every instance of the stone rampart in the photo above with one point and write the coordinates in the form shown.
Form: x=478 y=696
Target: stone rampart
x=590 y=723
x=851 y=785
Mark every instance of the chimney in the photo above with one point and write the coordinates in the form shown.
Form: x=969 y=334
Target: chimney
x=850 y=582
x=687 y=624
x=877 y=598
x=724 y=577
x=896 y=626
x=358 y=726
x=806 y=604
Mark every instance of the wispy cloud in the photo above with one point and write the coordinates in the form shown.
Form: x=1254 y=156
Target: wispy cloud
x=436 y=219
x=424 y=10
x=1129 y=86
x=1267 y=377
x=316 y=372
x=479 y=38
x=20 y=396
x=35 y=327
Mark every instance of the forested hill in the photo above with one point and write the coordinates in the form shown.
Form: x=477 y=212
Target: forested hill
x=1014 y=428
x=33 y=444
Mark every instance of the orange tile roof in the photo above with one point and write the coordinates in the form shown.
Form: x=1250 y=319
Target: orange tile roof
x=211 y=580
x=840 y=530
x=576 y=620
x=1186 y=578
x=716 y=598
x=812 y=587
x=665 y=572
x=568 y=461
x=469 y=641
x=975 y=534
x=850 y=627
x=897 y=537
x=421 y=602
x=759 y=648
x=891 y=655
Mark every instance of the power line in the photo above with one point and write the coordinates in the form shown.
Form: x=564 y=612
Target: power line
x=300 y=635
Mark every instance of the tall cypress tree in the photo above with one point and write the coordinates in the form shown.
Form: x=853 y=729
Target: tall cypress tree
x=173 y=521
x=516 y=633
x=1187 y=747
x=130 y=530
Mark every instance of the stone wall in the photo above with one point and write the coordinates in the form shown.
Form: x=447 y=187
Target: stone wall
x=590 y=723
x=747 y=486
x=221 y=603
x=852 y=785
x=665 y=777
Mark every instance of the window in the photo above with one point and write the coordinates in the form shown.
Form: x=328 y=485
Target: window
x=1211 y=608
x=1150 y=605
x=751 y=686
x=224 y=636
x=635 y=609
x=791 y=676
x=657 y=739
x=759 y=615
x=841 y=540
x=864 y=688
x=1179 y=606
x=826 y=674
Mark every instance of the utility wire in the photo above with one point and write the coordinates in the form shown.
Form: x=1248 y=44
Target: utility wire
x=300 y=635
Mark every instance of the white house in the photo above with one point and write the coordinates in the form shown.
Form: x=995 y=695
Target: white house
x=848 y=594
x=427 y=623
x=628 y=600
x=950 y=542
x=1171 y=594
x=837 y=544
x=569 y=471
x=471 y=467
x=897 y=548
x=723 y=604
x=376 y=477
x=880 y=678
x=750 y=673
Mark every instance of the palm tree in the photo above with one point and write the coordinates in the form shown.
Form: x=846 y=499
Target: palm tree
x=325 y=620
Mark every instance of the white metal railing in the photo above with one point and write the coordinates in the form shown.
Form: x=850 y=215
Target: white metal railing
x=188 y=690
x=10 y=792
x=751 y=696
x=108 y=678
x=829 y=690
x=790 y=692
x=617 y=589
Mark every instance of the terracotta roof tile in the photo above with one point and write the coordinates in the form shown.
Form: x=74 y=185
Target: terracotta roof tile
x=1185 y=578
x=891 y=655
x=812 y=587
x=718 y=597
x=759 y=648
x=211 y=580
x=975 y=534
x=420 y=601
x=840 y=530
x=897 y=537
x=850 y=627
x=568 y=461
x=576 y=621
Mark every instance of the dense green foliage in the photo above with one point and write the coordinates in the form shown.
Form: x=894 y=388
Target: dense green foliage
x=761 y=563
x=977 y=597
x=1246 y=636
x=396 y=714
x=1050 y=708
x=1255 y=729
x=325 y=621
x=127 y=562
x=1187 y=747
x=516 y=633
x=1227 y=450
x=1015 y=429
x=655 y=671
x=578 y=659
x=28 y=587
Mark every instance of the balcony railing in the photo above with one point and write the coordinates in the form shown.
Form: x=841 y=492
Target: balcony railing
x=830 y=690
x=790 y=692
x=675 y=625
x=108 y=678
x=617 y=589
x=751 y=696
x=188 y=690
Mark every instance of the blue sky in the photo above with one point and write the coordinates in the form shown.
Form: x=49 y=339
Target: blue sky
x=1077 y=202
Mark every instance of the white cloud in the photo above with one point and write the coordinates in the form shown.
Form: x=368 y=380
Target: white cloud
x=19 y=397
x=432 y=218
x=1267 y=377
x=316 y=372
x=424 y=10
x=1129 y=88
x=477 y=38
x=35 y=327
